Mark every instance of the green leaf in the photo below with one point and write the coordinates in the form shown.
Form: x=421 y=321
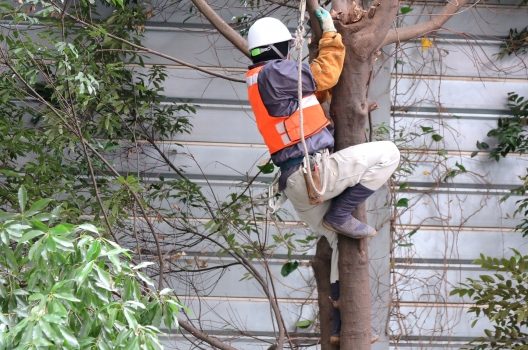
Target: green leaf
x=50 y=332
x=405 y=10
x=52 y=318
x=37 y=206
x=145 y=279
x=460 y=167
x=94 y=250
x=129 y=316
x=69 y=338
x=403 y=186
x=267 y=168
x=83 y=274
x=64 y=243
x=88 y=227
x=62 y=229
x=67 y=296
x=303 y=324
x=411 y=233
x=29 y=235
x=487 y=278
x=104 y=279
x=166 y=291
x=22 y=198
x=289 y=267
x=436 y=137
x=4 y=216
x=403 y=202
x=482 y=145
x=116 y=251
x=143 y=265
x=426 y=129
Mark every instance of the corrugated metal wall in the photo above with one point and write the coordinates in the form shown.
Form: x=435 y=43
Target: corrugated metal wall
x=456 y=87
x=459 y=88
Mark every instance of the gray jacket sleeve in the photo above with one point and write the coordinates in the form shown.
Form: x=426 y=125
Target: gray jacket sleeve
x=277 y=83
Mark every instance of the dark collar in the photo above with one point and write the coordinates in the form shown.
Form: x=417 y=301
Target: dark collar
x=261 y=63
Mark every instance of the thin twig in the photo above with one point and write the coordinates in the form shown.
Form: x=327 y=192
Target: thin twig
x=157 y=53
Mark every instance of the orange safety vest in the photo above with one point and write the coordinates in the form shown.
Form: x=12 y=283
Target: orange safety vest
x=281 y=132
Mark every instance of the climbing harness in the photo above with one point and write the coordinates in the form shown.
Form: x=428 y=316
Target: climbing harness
x=275 y=197
x=313 y=165
x=311 y=169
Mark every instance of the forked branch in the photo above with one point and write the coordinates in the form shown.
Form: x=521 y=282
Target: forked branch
x=225 y=29
x=411 y=32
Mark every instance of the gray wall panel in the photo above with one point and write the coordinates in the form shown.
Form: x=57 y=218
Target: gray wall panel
x=436 y=321
x=457 y=209
x=460 y=131
x=461 y=93
x=470 y=93
x=484 y=19
x=223 y=123
x=480 y=171
x=246 y=313
x=202 y=47
x=452 y=244
x=460 y=57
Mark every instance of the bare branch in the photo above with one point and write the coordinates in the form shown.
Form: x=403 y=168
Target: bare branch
x=221 y=25
x=311 y=6
x=217 y=343
x=157 y=53
x=410 y=32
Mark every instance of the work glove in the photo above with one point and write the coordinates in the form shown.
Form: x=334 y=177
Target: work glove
x=325 y=20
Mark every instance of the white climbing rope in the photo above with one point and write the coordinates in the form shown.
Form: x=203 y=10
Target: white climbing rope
x=299 y=40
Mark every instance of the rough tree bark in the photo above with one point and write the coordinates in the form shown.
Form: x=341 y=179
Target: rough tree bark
x=349 y=110
x=321 y=266
x=365 y=30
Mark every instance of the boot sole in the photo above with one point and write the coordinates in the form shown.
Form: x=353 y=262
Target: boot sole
x=329 y=227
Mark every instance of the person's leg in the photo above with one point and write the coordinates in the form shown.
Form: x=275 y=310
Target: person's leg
x=364 y=168
x=339 y=216
x=352 y=175
x=336 y=315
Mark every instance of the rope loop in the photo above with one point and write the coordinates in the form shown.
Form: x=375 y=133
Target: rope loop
x=299 y=41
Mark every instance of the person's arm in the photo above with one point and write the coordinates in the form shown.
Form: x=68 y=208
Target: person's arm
x=277 y=83
x=327 y=67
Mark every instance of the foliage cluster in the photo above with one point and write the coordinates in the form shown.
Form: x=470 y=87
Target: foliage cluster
x=70 y=98
x=516 y=43
x=511 y=135
x=500 y=297
x=74 y=93
x=83 y=121
x=64 y=286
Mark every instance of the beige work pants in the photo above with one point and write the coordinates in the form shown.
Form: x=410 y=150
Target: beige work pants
x=370 y=164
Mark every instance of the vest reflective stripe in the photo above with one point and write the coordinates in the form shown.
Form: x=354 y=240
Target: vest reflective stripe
x=281 y=132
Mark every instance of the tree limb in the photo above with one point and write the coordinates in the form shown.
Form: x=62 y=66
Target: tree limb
x=221 y=25
x=157 y=53
x=410 y=32
x=217 y=343
x=311 y=6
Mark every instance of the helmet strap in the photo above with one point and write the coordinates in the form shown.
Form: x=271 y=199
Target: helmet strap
x=277 y=51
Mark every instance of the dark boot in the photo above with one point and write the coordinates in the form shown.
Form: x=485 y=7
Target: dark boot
x=339 y=217
x=336 y=315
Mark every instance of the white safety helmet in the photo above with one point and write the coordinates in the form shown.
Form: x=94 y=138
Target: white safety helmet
x=267 y=31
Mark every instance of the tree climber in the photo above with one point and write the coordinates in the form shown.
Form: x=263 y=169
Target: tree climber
x=350 y=175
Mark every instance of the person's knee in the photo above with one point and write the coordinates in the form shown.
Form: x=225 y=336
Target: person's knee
x=391 y=153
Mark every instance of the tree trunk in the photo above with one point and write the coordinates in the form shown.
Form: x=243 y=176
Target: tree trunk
x=321 y=267
x=349 y=110
x=363 y=32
